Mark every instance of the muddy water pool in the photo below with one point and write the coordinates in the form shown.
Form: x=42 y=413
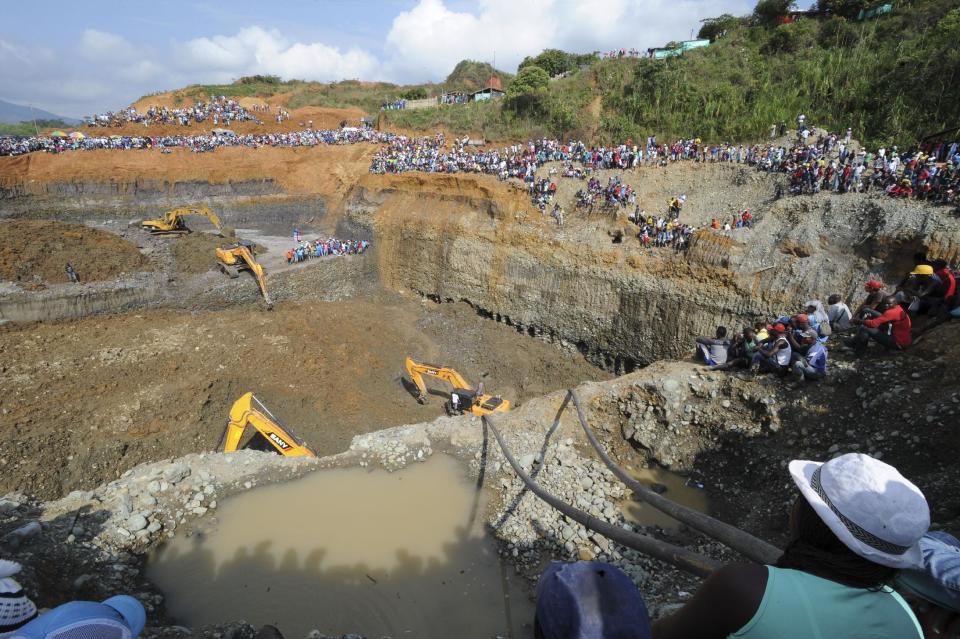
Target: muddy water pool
x=399 y=554
x=678 y=488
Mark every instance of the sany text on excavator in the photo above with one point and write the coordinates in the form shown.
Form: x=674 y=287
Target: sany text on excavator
x=271 y=434
x=464 y=398
x=172 y=221
x=239 y=257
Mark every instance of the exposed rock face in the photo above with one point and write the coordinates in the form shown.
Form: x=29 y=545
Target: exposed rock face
x=459 y=238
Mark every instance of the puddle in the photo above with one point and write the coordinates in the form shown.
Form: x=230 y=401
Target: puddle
x=678 y=490
x=350 y=550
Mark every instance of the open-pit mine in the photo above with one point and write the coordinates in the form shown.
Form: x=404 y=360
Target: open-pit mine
x=115 y=390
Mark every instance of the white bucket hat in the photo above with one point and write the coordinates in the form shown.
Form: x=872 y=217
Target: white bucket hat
x=16 y=608
x=873 y=509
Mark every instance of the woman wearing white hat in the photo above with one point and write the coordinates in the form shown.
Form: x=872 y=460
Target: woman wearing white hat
x=16 y=609
x=855 y=524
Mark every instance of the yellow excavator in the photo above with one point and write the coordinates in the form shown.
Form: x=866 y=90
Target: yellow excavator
x=464 y=397
x=239 y=257
x=172 y=221
x=270 y=435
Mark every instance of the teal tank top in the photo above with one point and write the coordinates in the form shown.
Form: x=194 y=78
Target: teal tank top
x=798 y=605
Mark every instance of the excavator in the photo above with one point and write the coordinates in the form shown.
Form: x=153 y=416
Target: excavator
x=239 y=257
x=270 y=435
x=464 y=398
x=172 y=221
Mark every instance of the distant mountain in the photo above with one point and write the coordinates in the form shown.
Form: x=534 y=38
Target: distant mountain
x=13 y=113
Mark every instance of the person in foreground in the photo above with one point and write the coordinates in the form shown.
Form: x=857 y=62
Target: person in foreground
x=856 y=522
x=119 y=617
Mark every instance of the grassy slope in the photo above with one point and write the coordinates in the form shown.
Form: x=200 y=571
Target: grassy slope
x=895 y=79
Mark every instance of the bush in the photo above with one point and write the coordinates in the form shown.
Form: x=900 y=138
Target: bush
x=769 y=12
x=416 y=93
x=715 y=28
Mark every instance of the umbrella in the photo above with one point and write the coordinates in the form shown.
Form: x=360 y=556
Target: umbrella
x=58 y=134
x=76 y=135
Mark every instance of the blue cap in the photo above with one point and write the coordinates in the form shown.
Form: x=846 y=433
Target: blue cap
x=590 y=600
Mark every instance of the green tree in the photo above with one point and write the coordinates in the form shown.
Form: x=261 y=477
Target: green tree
x=415 y=93
x=769 y=12
x=553 y=61
x=843 y=8
x=714 y=28
x=528 y=80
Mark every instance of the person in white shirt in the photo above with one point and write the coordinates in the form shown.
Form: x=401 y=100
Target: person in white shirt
x=839 y=313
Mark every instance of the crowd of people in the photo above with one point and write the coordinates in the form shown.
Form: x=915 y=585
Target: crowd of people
x=457 y=97
x=621 y=53
x=219 y=110
x=396 y=105
x=305 y=250
x=196 y=143
x=798 y=343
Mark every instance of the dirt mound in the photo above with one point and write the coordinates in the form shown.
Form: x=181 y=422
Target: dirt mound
x=39 y=249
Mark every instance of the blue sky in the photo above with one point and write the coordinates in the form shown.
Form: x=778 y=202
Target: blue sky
x=75 y=58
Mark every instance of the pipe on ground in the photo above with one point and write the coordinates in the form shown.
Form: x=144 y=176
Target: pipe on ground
x=681 y=558
x=743 y=542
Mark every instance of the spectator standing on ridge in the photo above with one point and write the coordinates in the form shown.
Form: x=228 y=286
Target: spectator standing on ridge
x=71 y=274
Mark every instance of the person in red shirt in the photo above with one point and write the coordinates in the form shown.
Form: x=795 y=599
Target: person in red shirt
x=948 y=282
x=888 y=325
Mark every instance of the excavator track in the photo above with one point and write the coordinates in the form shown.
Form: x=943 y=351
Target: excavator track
x=231 y=271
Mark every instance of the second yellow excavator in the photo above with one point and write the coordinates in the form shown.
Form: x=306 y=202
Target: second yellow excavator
x=172 y=221
x=270 y=435
x=239 y=257
x=464 y=398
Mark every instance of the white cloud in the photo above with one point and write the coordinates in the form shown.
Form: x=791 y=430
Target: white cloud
x=256 y=50
x=100 y=46
x=103 y=70
x=426 y=41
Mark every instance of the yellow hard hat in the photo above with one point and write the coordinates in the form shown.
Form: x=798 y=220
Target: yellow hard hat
x=922 y=269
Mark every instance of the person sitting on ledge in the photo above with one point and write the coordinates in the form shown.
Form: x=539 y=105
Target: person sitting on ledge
x=713 y=351
x=773 y=355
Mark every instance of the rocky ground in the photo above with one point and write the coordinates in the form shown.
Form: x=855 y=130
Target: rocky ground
x=731 y=433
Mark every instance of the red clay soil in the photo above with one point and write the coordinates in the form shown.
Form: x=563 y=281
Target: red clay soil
x=323 y=169
x=39 y=249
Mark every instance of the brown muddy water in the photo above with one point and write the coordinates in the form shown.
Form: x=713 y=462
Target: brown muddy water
x=679 y=489
x=351 y=550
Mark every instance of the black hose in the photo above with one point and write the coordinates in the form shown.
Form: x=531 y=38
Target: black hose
x=681 y=558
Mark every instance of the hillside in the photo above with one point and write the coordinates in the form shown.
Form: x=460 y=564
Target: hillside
x=841 y=72
x=11 y=113
x=759 y=70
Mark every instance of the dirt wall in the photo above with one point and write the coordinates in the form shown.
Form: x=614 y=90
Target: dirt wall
x=621 y=305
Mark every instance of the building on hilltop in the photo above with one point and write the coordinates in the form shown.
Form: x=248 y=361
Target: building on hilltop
x=660 y=53
x=492 y=90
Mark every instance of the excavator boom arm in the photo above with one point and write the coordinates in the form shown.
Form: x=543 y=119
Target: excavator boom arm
x=229 y=258
x=170 y=222
x=417 y=371
x=249 y=411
